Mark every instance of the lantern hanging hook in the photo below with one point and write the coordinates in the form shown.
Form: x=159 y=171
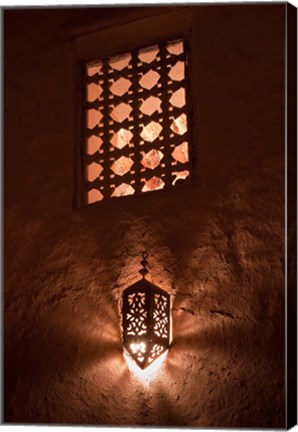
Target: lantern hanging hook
x=144 y=263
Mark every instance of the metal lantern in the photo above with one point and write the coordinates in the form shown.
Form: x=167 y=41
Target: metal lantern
x=145 y=319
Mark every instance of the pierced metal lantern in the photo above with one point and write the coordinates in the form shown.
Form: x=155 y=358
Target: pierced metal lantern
x=145 y=319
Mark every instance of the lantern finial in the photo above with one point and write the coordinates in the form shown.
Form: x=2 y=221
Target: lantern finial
x=144 y=263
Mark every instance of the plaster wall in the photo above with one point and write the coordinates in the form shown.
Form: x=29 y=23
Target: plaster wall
x=218 y=247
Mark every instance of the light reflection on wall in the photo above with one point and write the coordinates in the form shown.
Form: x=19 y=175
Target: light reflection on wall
x=148 y=374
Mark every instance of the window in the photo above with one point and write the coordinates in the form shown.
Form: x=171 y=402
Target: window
x=136 y=135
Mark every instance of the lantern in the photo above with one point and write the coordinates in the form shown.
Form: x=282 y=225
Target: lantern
x=145 y=319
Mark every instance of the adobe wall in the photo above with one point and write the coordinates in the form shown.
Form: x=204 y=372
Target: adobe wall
x=218 y=248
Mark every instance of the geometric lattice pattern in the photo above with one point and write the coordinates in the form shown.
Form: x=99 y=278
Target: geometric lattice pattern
x=145 y=322
x=136 y=123
x=160 y=316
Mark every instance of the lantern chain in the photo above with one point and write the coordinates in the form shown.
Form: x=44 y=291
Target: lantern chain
x=144 y=271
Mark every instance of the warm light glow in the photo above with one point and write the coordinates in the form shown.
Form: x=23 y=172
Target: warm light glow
x=135 y=347
x=120 y=112
x=180 y=175
x=180 y=153
x=149 y=80
x=93 y=171
x=177 y=71
x=153 y=184
x=93 y=92
x=93 y=118
x=149 y=372
x=93 y=68
x=122 y=165
x=151 y=131
x=121 y=138
x=122 y=190
x=176 y=48
x=120 y=62
x=151 y=159
x=93 y=144
x=120 y=86
x=179 y=125
x=94 y=195
x=147 y=55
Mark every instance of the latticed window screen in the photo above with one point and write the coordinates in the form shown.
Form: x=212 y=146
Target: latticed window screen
x=136 y=124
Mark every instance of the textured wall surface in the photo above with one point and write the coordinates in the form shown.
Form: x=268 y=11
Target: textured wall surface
x=218 y=248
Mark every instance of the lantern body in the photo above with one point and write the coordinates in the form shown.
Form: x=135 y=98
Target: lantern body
x=145 y=322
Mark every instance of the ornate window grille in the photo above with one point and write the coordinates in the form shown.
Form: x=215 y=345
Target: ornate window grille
x=137 y=136
x=145 y=320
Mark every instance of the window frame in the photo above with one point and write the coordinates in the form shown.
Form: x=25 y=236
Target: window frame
x=82 y=58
